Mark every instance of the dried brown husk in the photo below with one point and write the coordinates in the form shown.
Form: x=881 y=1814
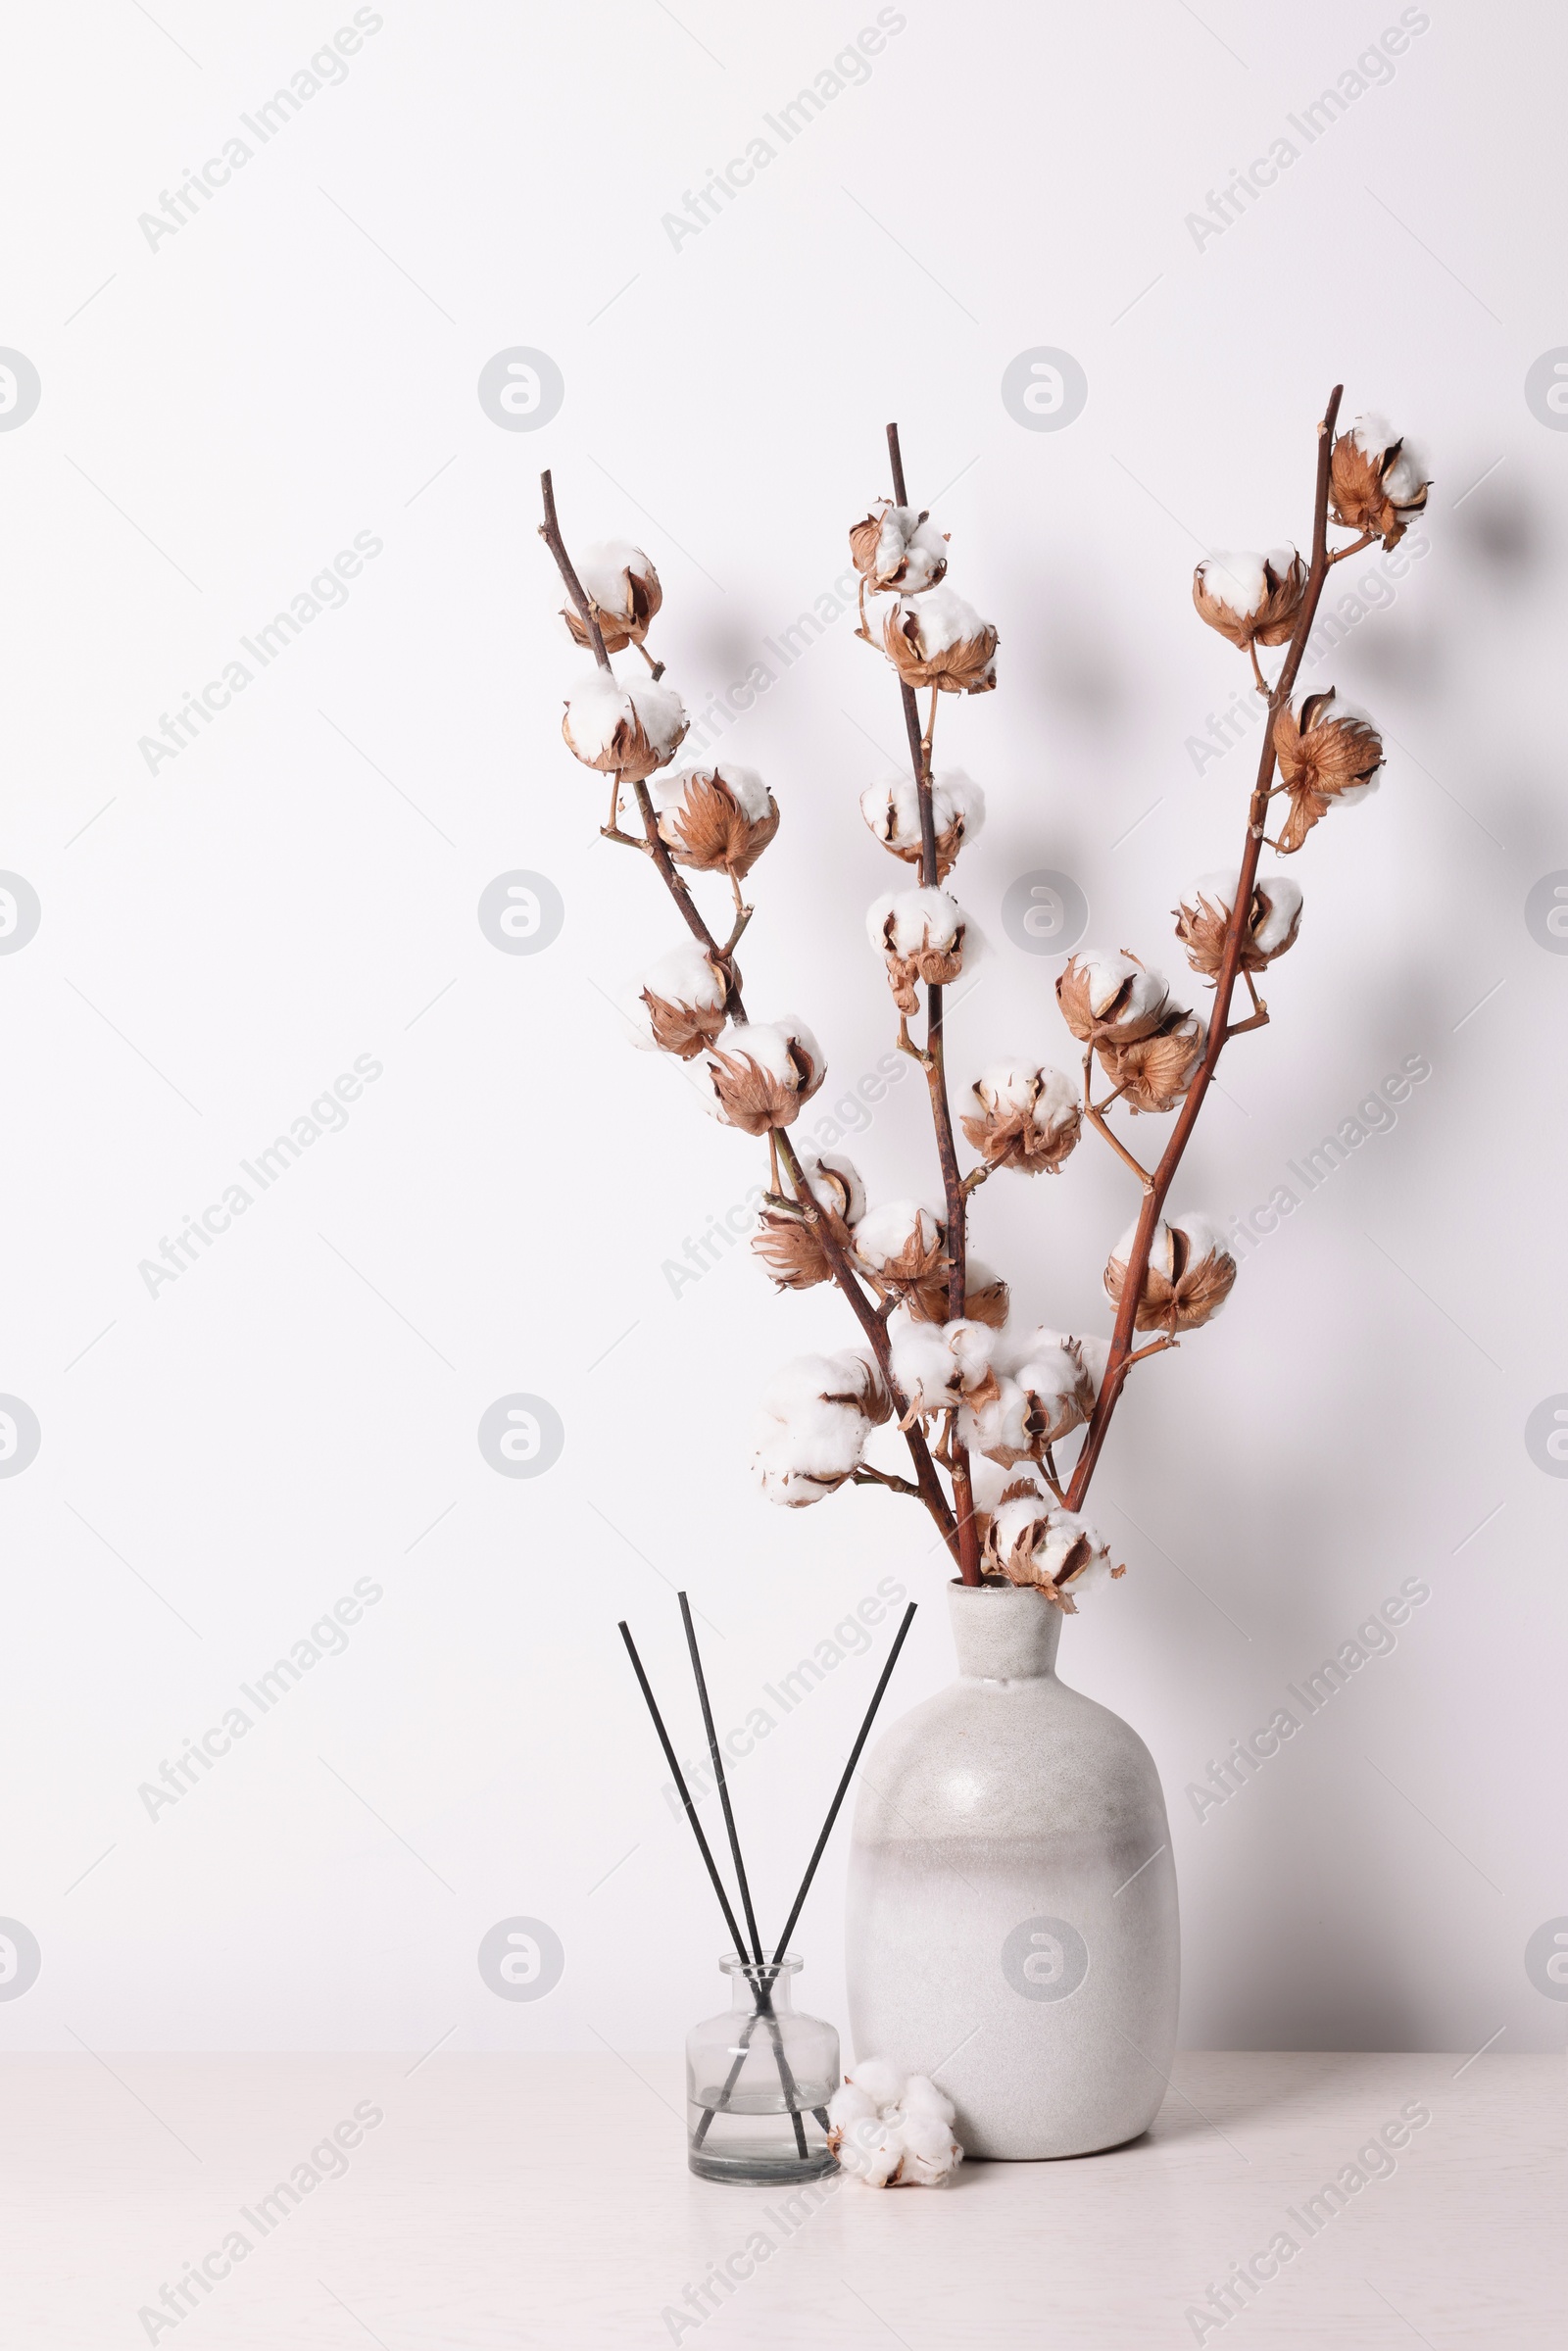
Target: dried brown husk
x=1319 y=757
x=751 y=1097
x=1274 y=621
x=791 y=1250
x=710 y=832
x=986 y=1301
x=1155 y=1072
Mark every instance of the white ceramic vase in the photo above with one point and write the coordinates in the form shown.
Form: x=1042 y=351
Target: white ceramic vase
x=1013 y=1916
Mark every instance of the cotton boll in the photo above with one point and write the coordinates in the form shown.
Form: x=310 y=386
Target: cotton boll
x=929 y=2140
x=835 y=1181
x=899 y=547
x=1191 y=1274
x=1325 y=761
x=1024 y=1115
x=715 y=820
x=939 y=640
x=892 y=809
x=624 y=730
x=622 y=581
x=763 y=1073
x=679 y=1004
x=920 y=934
x=1251 y=598
x=903 y=1243
x=1111 y=999
x=1378 y=484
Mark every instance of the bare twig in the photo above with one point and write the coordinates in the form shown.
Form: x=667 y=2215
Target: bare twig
x=1121 y=1352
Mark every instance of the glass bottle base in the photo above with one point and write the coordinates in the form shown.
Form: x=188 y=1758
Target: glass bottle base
x=760 y=2166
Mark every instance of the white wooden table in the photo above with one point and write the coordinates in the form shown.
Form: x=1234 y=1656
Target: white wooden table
x=503 y=2201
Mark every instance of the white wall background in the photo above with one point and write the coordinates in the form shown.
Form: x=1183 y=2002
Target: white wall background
x=224 y=412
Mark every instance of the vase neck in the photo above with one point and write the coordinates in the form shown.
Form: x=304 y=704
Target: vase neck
x=1003 y=1632
x=752 y=1986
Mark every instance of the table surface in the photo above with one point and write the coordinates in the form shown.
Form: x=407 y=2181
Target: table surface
x=509 y=2201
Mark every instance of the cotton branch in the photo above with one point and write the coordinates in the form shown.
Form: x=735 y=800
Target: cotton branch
x=927 y=1486
x=953 y=1187
x=1122 y=1355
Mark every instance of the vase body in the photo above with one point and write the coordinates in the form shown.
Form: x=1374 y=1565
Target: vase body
x=757 y=2082
x=1011 y=1920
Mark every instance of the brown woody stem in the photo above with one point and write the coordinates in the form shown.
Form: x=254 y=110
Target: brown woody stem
x=952 y=1188
x=1121 y=1347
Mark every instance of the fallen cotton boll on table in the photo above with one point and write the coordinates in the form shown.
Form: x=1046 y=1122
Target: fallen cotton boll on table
x=890 y=2129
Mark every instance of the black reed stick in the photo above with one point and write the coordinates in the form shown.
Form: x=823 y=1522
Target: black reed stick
x=843 y=1787
x=719 y=1774
x=679 y=1778
x=764 y=1991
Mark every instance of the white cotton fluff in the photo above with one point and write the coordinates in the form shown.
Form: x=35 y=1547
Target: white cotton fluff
x=1008 y=1084
x=1105 y=973
x=905 y=538
x=892 y=808
x=997 y=1426
x=598 y=703
x=1096 y=1353
x=1048 y=1368
x=743 y=784
x=936 y=1365
x=881 y=2082
x=1204 y=1238
x=1372 y=434
x=806 y=1447
x=884 y=1232
x=889 y=2132
x=603 y=567
x=908 y=920
x=1238 y=581
x=767 y=1043
x=1162 y=1249
x=941 y=618
x=684 y=976
x=812 y=1167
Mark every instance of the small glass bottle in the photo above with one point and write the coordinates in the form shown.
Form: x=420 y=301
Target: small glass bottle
x=759 y=2079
